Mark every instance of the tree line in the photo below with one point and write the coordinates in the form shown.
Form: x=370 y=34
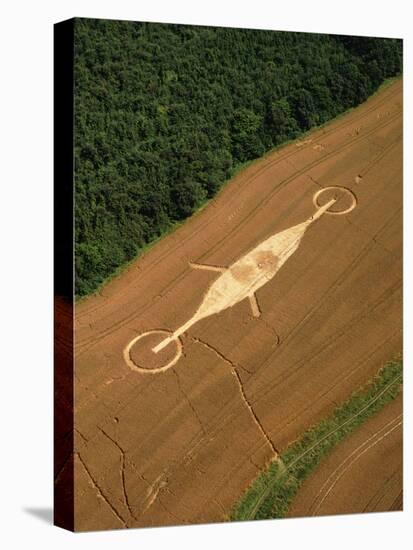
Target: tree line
x=164 y=115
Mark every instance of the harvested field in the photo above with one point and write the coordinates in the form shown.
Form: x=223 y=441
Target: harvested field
x=181 y=445
x=363 y=474
x=274 y=491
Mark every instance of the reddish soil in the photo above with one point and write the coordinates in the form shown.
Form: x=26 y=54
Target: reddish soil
x=181 y=446
x=364 y=473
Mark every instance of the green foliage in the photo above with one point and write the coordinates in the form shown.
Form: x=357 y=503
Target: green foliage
x=164 y=115
x=271 y=494
x=245 y=138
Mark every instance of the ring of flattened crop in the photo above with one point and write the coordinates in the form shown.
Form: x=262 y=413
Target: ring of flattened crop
x=131 y=363
x=338 y=212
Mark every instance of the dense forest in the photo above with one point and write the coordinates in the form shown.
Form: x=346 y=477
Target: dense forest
x=164 y=114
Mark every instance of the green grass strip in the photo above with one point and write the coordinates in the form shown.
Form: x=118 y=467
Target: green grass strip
x=272 y=492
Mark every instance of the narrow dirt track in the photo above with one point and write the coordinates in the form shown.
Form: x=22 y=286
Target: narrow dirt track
x=363 y=474
x=182 y=445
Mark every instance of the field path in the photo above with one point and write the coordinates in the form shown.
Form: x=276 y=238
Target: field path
x=180 y=446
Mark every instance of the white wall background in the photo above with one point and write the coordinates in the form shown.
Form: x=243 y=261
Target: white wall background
x=26 y=270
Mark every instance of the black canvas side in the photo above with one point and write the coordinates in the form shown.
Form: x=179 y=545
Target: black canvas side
x=63 y=275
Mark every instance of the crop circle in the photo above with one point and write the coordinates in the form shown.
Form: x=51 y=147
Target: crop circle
x=138 y=368
x=349 y=193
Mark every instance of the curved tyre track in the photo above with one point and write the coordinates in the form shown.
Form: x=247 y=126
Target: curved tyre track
x=363 y=474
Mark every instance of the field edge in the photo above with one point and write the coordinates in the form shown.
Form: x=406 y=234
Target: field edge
x=235 y=172
x=272 y=492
